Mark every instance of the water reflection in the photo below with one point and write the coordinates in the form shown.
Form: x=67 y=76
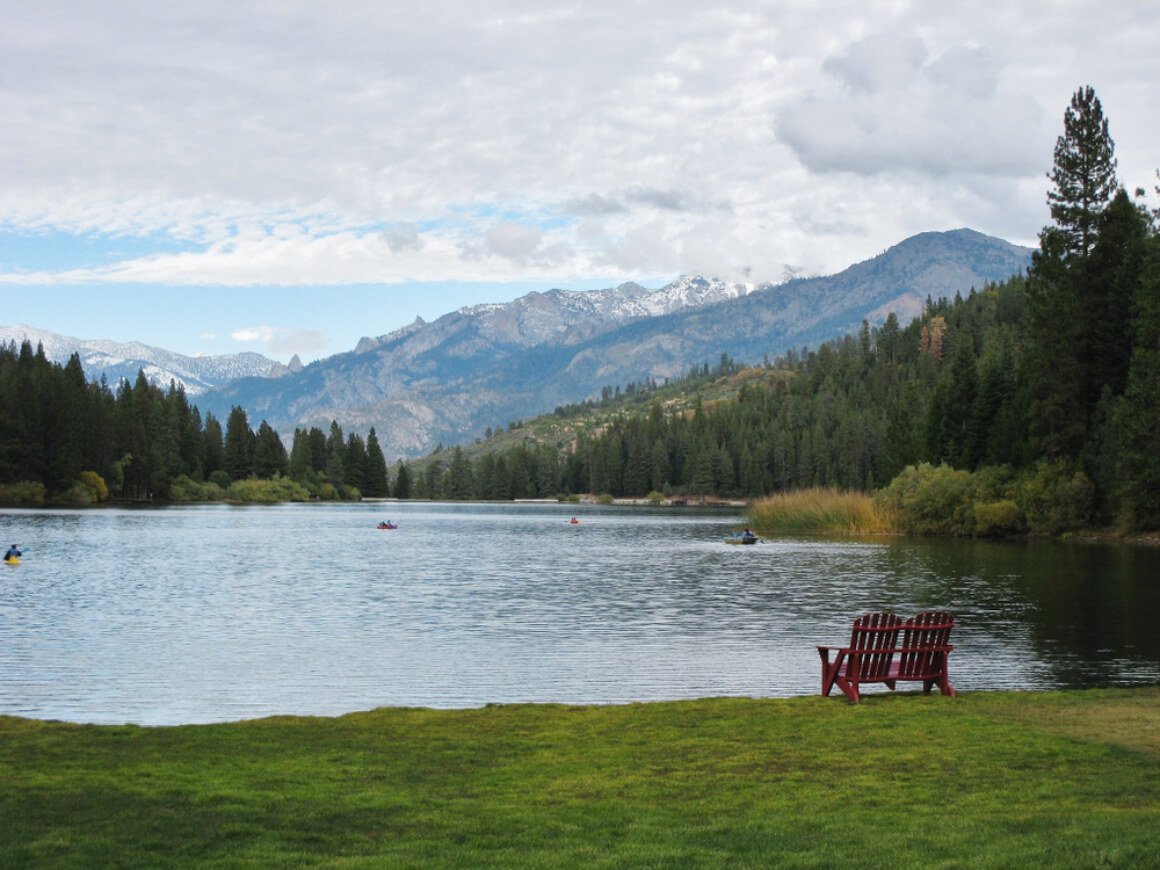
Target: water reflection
x=211 y=613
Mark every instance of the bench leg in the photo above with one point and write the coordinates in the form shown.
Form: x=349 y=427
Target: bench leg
x=829 y=671
x=850 y=687
x=832 y=675
x=944 y=686
x=848 y=684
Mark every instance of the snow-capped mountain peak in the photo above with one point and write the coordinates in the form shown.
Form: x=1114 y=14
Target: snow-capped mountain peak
x=118 y=361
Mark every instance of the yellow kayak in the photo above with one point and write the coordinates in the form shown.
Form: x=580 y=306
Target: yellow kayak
x=11 y=560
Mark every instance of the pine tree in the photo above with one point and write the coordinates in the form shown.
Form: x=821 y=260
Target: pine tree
x=1084 y=175
x=1108 y=278
x=269 y=453
x=402 y=489
x=354 y=469
x=212 y=446
x=1053 y=360
x=301 y=467
x=238 y=454
x=460 y=484
x=375 y=475
x=334 y=469
x=1139 y=467
x=1057 y=360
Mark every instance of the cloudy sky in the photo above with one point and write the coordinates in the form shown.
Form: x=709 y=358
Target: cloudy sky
x=287 y=176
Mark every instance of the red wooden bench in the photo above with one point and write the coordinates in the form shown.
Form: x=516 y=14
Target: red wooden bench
x=884 y=649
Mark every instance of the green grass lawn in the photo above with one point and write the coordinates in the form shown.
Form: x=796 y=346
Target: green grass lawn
x=1067 y=779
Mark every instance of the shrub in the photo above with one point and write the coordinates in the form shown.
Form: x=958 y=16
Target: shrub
x=184 y=490
x=220 y=478
x=77 y=494
x=995 y=519
x=96 y=485
x=255 y=491
x=993 y=483
x=1055 y=498
x=931 y=500
x=22 y=492
x=655 y=497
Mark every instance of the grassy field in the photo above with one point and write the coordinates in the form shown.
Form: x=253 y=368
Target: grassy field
x=1068 y=779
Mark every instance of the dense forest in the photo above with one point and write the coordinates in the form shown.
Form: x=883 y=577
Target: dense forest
x=1043 y=389
x=70 y=441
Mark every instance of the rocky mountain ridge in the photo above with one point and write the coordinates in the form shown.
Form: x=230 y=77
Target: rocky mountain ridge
x=484 y=366
x=118 y=361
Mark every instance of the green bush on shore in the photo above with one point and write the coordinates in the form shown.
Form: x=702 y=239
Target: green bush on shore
x=278 y=489
x=183 y=490
x=24 y=492
x=1048 y=499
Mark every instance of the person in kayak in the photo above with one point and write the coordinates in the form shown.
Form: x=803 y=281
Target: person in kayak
x=13 y=553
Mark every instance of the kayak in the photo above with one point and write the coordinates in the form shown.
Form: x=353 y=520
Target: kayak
x=387 y=526
x=741 y=539
x=11 y=560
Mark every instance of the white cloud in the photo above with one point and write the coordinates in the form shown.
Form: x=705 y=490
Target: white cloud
x=892 y=107
x=514 y=241
x=449 y=141
x=305 y=342
x=254 y=333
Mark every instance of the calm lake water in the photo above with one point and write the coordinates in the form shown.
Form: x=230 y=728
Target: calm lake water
x=215 y=613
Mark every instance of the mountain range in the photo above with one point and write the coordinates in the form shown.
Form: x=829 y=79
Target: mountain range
x=118 y=361
x=484 y=366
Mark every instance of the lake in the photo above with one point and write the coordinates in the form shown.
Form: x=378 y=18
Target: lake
x=216 y=613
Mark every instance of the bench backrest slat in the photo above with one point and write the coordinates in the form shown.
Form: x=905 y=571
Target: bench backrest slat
x=875 y=636
x=925 y=641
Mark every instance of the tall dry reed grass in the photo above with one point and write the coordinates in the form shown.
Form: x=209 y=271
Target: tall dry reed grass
x=821 y=510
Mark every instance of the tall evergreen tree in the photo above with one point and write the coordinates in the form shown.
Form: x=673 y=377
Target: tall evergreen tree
x=1063 y=304
x=354 y=471
x=335 y=467
x=402 y=489
x=319 y=453
x=238 y=453
x=1108 y=278
x=301 y=466
x=269 y=453
x=1084 y=174
x=460 y=484
x=1139 y=465
x=375 y=474
x=212 y=446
